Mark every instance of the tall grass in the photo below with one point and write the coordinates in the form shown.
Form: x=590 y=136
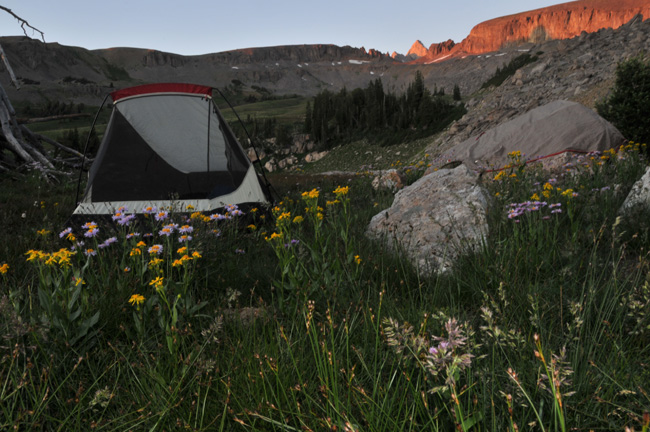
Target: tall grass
x=293 y=320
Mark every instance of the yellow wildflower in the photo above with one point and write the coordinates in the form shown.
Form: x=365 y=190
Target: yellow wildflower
x=154 y=262
x=4 y=268
x=252 y=227
x=535 y=197
x=157 y=283
x=135 y=251
x=312 y=194
x=298 y=219
x=182 y=250
x=195 y=254
x=500 y=175
x=141 y=244
x=340 y=191
x=136 y=300
x=357 y=259
x=43 y=232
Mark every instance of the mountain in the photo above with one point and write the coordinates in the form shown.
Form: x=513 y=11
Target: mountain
x=562 y=21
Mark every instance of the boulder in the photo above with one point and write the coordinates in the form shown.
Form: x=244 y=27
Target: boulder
x=639 y=196
x=252 y=154
x=271 y=165
x=315 y=156
x=435 y=220
x=391 y=179
x=286 y=162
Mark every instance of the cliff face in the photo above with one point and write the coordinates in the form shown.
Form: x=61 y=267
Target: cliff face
x=562 y=21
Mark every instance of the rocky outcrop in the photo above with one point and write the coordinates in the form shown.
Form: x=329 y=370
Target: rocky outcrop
x=563 y=21
x=435 y=220
x=581 y=69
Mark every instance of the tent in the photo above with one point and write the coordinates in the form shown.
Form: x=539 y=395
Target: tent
x=168 y=146
x=557 y=127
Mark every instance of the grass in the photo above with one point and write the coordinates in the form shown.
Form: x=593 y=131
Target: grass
x=298 y=322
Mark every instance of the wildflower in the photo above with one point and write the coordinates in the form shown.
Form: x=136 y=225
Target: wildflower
x=218 y=216
x=313 y=194
x=136 y=300
x=65 y=232
x=499 y=176
x=162 y=215
x=357 y=259
x=131 y=235
x=127 y=269
x=140 y=244
x=43 y=232
x=535 y=197
x=157 y=283
x=185 y=229
x=513 y=175
x=567 y=193
x=189 y=207
x=181 y=250
x=155 y=249
x=184 y=238
x=252 y=227
x=154 y=262
x=196 y=255
x=90 y=252
x=274 y=236
x=78 y=282
x=107 y=242
x=91 y=232
x=340 y=191
x=236 y=212
x=126 y=220
x=4 y=268
x=298 y=219
x=240 y=251
x=89 y=225
x=149 y=210
x=135 y=251
x=331 y=203
x=556 y=211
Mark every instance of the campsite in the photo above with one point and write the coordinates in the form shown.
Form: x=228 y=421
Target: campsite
x=482 y=270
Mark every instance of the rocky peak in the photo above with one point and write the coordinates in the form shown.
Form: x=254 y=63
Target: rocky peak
x=563 y=21
x=418 y=49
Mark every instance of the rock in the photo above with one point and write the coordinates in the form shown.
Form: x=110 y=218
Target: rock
x=435 y=220
x=271 y=165
x=252 y=154
x=315 y=156
x=639 y=196
x=391 y=179
x=284 y=163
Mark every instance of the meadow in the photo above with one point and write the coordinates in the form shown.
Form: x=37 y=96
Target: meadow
x=288 y=318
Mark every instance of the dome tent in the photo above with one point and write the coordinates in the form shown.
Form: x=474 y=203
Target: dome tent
x=168 y=146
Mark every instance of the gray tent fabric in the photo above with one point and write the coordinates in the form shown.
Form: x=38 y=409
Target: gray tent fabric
x=552 y=128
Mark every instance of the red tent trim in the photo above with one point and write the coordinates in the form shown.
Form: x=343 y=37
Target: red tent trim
x=161 y=88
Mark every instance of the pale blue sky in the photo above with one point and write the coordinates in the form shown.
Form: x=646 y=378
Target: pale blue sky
x=201 y=26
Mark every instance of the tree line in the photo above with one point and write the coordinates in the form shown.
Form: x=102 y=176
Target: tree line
x=372 y=112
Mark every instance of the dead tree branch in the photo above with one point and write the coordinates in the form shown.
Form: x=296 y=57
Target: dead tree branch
x=23 y=23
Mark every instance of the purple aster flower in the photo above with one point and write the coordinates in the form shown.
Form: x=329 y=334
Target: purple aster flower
x=162 y=215
x=131 y=235
x=185 y=229
x=184 y=238
x=65 y=232
x=90 y=252
x=149 y=210
x=91 y=232
x=240 y=251
x=148 y=235
x=556 y=211
x=126 y=220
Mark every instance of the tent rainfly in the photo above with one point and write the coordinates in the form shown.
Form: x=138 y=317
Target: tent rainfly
x=168 y=146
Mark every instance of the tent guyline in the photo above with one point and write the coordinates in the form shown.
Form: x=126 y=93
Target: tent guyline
x=168 y=145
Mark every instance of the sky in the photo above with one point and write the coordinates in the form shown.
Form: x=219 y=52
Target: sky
x=191 y=27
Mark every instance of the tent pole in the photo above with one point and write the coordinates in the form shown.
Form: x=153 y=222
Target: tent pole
x=83 y=159
x=259 y=161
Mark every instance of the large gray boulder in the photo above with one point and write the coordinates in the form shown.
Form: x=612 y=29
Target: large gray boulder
x=436 y=219
x=639 y=196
